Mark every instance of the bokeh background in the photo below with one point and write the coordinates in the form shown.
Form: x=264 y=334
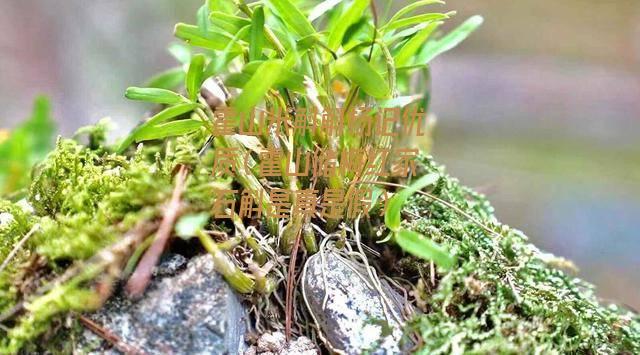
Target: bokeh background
x=540 y=109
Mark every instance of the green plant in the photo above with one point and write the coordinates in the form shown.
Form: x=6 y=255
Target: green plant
x=105 y=213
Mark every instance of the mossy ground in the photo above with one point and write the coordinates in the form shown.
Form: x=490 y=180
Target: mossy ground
x=503 y=296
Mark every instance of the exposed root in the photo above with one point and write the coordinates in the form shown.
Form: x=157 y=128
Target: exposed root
x=113 y=339
x=142 y=275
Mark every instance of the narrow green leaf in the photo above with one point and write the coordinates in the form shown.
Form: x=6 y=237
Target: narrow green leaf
x=256 y=41
x=392 y=217
x=412 y=7
x=160 y=117
x=167 y=80
x=425 y=248
x=237 y=80
x=190 y=224
x=229 y=23
x=181 y=52
x=264 y=78
x=288 y=78
x=159 y=96
x=293 y=17
x=415 y=20
x=413 y=45
x=351 y=16
x=400 y=101
x=362 y=73
x=220 y=61
x=202 y=17
x=450 y=41
x=195 y=76
x=169 y=129
x=322 y=8
x=195 y=37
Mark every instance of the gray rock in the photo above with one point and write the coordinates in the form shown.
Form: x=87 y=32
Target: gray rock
x=355 y=319
x=276 y=344
x=193 y=312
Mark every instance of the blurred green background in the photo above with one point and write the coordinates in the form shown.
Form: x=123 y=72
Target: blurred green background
x=540 y=109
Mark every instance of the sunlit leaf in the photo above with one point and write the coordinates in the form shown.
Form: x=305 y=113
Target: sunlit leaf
x=416 y=20
x=168 y=80
x=181 y=52
x=202 y=17
x=229 y=23
x=256 y=41
x=412 y=7
x=160 y=117
x=195 y=76
x=351 y=16
x=169 y=129
x=322 y=8
x=413 y=45
x=425 y=248
x=188 y=225
x=362 y=73
x=155 y=95
x=400 y=101
x=450 y=41
x=220 y=61
x=196 y=37
x=288 y=78
x=293 y=17
x=262 y=80
x=392 y=216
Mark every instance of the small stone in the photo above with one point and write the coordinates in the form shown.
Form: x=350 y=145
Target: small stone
x=272 y=342
x=193 y=312
x=356 y=319
x=170 y=264
x=276 y=344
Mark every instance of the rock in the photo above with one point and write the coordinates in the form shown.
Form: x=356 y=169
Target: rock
x=193 y=312
x=353 y=321
x=275 y=343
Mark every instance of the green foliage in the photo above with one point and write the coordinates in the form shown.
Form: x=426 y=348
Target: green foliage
x=503 y=296
x=360 y=72
x=292 y=17
x=168 y=80
x=147 y=128
x=189 y=225
x=169 y=129
x=256 y=43
x=195 y=76
x=435 y=48
x=351 y=16
x=410 y=241
x=418 y=245
x=27 y=144
x=392 y=217
x=154 y=95
x=267 y=74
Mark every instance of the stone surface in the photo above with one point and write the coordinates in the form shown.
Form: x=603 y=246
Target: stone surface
x=187 y=309
x=275 y=343
x=354 y=320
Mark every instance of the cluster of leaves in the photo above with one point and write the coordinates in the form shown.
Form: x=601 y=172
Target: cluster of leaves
x=286 y=56
x=490 y=291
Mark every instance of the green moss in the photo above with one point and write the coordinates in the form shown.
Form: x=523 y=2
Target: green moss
x=505 y=295
x=88 y=198
x=14 y=224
